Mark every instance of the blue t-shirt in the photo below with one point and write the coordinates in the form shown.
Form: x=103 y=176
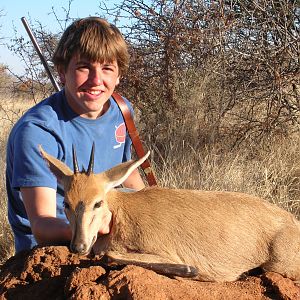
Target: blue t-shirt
x=54 y=125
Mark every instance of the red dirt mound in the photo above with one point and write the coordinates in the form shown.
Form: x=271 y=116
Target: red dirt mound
x=55 y=273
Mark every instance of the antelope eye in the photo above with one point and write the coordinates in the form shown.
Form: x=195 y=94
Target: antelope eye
x=66 y=205
x=98 y=204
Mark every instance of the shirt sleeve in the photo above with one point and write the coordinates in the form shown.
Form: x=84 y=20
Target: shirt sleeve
x=29 y=168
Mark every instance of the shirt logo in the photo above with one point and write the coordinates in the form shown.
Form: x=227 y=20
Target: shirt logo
x=120 y=135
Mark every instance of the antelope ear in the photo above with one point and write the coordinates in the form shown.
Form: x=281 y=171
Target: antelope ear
x=117 y=175
x=58 y=168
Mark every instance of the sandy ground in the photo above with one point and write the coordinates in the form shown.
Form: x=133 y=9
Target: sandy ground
x=55 y=273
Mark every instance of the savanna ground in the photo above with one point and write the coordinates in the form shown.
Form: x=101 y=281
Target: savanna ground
x=215 y=87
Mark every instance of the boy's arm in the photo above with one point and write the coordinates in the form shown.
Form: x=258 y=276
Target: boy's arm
x=40 y=204
x=134 y=181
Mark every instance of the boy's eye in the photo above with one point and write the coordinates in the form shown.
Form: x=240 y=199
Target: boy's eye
x=109 y=67
x=82 y=68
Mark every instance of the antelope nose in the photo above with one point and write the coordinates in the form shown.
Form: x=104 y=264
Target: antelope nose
x=80 y=248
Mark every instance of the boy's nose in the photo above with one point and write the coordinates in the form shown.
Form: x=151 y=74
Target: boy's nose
x=96 y=78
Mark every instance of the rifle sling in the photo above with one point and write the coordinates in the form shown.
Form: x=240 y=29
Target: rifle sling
x=136 y=142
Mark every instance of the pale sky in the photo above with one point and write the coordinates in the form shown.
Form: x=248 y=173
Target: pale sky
x=37 y=10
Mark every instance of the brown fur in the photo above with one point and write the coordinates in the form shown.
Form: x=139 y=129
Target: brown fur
x=222 y=234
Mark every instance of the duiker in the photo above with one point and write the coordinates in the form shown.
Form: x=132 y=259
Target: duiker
x=211 y=236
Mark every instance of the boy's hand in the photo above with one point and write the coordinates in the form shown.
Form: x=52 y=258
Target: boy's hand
x=106 y=223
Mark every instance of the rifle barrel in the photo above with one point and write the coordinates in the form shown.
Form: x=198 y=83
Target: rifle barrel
x=39 y=52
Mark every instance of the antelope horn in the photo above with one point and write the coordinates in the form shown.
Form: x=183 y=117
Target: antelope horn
x=91 y=163
x=75 y=163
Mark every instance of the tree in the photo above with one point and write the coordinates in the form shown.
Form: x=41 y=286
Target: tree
x=249 y=49
x=35 y=77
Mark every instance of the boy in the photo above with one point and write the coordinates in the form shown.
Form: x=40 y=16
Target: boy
x=90 y=58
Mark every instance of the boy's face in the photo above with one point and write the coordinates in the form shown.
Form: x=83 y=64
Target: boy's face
x=88 y=85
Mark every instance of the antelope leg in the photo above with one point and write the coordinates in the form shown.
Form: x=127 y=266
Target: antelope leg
x=152 y=262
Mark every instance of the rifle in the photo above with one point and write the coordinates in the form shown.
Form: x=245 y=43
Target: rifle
x=132 y=131
x=39 y=52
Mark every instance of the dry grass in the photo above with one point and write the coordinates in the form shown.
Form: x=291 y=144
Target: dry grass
x=273 y=174
x=11 y=109
x=190 y=154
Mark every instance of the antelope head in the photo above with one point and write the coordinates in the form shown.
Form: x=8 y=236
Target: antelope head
x=85 y=196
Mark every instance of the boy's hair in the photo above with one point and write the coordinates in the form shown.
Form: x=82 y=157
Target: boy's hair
x=95 y=39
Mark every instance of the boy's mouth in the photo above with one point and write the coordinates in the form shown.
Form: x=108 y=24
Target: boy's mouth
x=93 y=92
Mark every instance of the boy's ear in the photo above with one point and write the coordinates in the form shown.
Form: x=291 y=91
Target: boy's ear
x=118 y=80
x=61 y=73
